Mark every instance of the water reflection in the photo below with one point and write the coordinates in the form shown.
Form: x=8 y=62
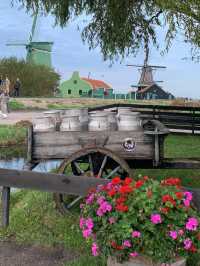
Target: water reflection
x=18 y=164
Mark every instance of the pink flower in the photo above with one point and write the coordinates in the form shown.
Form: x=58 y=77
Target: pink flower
x=186 y=202
x=156 y=219
x=95 y=249
x=90 y=199
x=99 y=212
x=188 y=195
x=89 y=223
x=112 y=220
x=136 y=234
x=87 y=233
x=133 y=254
x=187 y=243
x=180 y=232
x=192 y=224
x=100 y=200
x=173 y=234
x=81 y=222
x=127 y=243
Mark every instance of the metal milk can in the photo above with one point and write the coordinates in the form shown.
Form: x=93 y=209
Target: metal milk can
x=129 y=121
x=41 y=124
x=98 y=121
x=55 y=114
x=82 y=113
x=112 y=120
x=70 y=123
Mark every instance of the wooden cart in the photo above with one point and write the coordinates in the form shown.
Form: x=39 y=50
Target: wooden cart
x=103 y=154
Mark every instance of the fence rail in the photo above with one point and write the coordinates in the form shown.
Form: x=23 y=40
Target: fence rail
x=180 y=118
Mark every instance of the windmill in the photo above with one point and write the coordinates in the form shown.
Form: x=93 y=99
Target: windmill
x=38 y=53
x=146 y=78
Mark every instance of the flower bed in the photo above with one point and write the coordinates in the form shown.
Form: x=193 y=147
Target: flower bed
x=128 y=219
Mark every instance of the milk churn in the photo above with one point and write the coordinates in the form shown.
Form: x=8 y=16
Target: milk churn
x=112 y=120
x=122 y=110
x=70 y=123
x=129 y=121
x=44 y=124
x=82 y=113
x=55 y=114
x=98 y=121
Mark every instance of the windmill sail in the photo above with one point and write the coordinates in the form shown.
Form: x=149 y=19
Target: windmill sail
x=38 y=53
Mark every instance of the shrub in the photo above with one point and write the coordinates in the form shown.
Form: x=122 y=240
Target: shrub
x=130 y=218
x=36 y=80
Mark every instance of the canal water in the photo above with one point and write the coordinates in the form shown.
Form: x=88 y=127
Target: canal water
x=14 y=157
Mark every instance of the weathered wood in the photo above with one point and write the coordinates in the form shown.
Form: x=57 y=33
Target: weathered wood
x=76 y=185
x=180 y=164
x=5 y=206
x=68 y=143
x=156 y=150
x=30 y=143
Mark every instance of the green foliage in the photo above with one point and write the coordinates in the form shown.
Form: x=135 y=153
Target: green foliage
x=126 y=217
x=122 y=27
x=35 y=80
x=12 y=135
x=16 y=105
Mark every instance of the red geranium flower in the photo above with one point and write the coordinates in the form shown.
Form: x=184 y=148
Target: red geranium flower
x=179 y=195
x=128 y=180
x=125 y=189
x=112 y=192
x=139 y=183
x=116 y=180
x=121 y=207
x=120 y=200
x=168 y=198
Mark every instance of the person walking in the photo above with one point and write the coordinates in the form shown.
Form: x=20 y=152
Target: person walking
x=3 y=105
x=7 y=86
x=17 y=87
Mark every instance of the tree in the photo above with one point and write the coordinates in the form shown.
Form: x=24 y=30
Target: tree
x=122 y=27
x=35 y=80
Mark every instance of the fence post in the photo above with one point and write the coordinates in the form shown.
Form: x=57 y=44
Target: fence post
x=5 y=206
x=193 y=121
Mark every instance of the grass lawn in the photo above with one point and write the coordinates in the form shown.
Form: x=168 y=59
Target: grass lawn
x=12 y=135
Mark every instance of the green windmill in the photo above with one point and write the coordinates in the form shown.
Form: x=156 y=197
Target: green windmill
x=38 y=53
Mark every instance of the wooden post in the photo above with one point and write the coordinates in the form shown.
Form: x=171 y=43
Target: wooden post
x=5 y=206
x=30 y=143
x=156 y=148
x=193 y=121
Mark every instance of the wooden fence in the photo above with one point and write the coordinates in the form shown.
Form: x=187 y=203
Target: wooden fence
x=180 y=118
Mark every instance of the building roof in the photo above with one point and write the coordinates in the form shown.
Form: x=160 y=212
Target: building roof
x=147 y=88
x=96 y=84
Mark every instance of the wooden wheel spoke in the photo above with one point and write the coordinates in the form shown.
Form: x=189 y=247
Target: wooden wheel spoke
x=91 y=165
x=79 y=168
x=102 y=166
x=71 y=204
x=113 y=171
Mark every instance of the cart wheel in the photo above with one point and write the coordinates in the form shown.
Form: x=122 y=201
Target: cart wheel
x=98 y=162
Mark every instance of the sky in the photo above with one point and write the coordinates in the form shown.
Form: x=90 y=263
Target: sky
x=181 y=78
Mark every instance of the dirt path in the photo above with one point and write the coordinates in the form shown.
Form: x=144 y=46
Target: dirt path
x=12 y=254
x=14 y=117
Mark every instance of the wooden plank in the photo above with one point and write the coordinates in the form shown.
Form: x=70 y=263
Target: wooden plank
x=76 y=185
x=30 y=143
x=65 y=138
x=142 y=150
x=5 y=206
x=180 y=164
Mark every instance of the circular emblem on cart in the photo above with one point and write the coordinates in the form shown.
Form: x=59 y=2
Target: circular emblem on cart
x=129 y=144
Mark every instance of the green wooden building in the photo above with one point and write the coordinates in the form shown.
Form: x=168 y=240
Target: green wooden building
x=84 y=87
